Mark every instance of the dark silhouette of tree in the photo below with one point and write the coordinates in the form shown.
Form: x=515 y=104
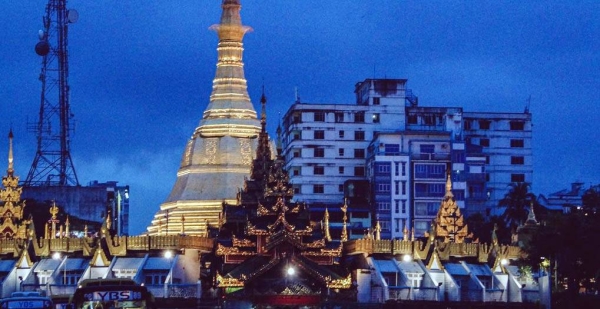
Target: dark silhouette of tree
x=517 y=202
x=591 y=201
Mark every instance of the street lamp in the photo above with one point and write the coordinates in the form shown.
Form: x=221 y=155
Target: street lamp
x=57 y=256
x=291 y=271
x=169 y=256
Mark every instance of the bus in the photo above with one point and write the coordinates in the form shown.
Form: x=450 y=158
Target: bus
x=111 y=294
x=28 y=300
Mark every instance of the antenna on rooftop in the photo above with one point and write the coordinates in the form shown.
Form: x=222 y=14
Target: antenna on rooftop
x=52 y=165
x=527 y=105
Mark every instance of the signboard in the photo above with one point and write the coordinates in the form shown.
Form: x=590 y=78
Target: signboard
x=14 y=304
x=104 y=296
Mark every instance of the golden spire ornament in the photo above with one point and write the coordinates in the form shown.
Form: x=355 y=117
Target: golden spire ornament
x=344 y=236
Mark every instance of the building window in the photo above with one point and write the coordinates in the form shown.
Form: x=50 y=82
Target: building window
x=340 y=188
x=339 y=117
x=296 y=171
x=341 y=170
x=297 y=153
x=403 y=168
x=341 y=152
x=319 y=134
x=467 y=124
x=403 y=187
x=517 y=126
x=341 y=134
x=487 y=177
x=484 y=142
x=319 y=152
x=397 y=225
x=296 y=136
x=517 y=160
x=296 y=189
x=396 y=187
x=297 y=118
x=403 y=206
x=376 y=118
x=359 y=117
x=376 y=101
x=383 y=206
x=383 y=187
x=392 y=149
x=517 y=177
x=318 y=188
x=484 y=124
x=359 y=153
x=385 y=226
x=319 y=170
x=487 y=159
x=319 y=116
x=517 y=143
x=412 y=119
x=359 y=135
x=397 y=206
x=427 y=148
x=383 y=168
x=359 y=171
x=396 y=168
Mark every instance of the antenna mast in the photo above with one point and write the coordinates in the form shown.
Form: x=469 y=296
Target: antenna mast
x=52 y=165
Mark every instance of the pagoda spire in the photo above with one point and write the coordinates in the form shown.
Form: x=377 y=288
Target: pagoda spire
x=230 y=111
x=344 y=236
x=326 y=225
x=10 y=171
x=263 y=152
x=448 y=186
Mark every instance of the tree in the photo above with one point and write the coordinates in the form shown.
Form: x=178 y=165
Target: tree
x=517 y=202
x=591 y=201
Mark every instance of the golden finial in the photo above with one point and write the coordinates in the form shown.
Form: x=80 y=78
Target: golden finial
x=326 y=225
x=53 y=211
x=449 y=185
x=67 y=225
x=412 y=234
x=377 y=231
x=10 y=169
x=405 y=232
x=108 y=220
x=182 y=225
x=85 y=231
x=344 y=236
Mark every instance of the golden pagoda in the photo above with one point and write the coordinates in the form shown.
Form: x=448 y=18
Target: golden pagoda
x=11 y=212
x=219 y=154
x=449 y=222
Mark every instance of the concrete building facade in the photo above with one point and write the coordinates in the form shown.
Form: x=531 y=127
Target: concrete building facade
x=404 y=151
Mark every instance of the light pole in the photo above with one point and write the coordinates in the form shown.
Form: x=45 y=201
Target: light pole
x=57 y=256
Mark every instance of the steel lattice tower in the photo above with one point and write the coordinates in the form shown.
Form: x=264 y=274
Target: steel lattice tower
x=52 y=165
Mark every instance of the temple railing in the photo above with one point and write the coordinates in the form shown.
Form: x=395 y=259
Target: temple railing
x=118 y=245
x=419 y=249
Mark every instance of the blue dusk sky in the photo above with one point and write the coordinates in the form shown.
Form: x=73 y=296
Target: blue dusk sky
x=141 y=75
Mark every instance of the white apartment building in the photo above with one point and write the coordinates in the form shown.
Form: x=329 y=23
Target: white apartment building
x=404 y=151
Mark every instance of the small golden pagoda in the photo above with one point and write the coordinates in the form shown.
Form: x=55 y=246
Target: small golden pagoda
x=11 y=212
x=449 y=223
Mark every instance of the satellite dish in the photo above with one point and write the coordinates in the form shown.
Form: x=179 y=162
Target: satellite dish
x=42 y=48
x=72 y=16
